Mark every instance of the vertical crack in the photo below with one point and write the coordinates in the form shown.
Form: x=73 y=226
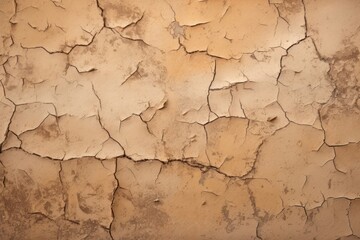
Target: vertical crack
x=348 y=217
x=113 y=198
x=209 y=89
x=305 y=18
x=63 y=189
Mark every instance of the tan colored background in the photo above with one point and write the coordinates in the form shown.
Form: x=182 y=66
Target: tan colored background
x=179 y=119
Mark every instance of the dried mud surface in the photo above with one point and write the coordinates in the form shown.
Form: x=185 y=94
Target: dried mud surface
x=198 y=119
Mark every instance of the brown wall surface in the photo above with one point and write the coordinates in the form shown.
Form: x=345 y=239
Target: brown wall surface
x=171 y=119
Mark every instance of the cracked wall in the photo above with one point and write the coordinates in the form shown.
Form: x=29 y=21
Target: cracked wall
x=141 y=119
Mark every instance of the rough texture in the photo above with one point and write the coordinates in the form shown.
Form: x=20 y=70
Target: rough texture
x=142 y=119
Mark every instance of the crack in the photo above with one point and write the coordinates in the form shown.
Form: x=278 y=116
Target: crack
x=136 y=71
x=281 y=17
x=209 y=89
x=287 y=54
x=63 y=190
x=224 y=13
x=88 y=32
x=333 y=160
x=15 y=12
x=108 y=133
x=191 y=162
x=41 y=122
x=319 y=55
x=172 y=9
x=133 y=24
x=281 y=107
x=305 y=19
x=40 y=30
x=257 y=231
x=113 y=198
x=231 y=85
x=158 y=175
x=4 y=177
x=348 y=216
x=281 y=70
x=98 y=98
x=141 y=119
x=305 y=182
x=11 y=117
x=41 y=156
x=42 y=215
x=210 y=192
x=254 y=163
x=56 y=4
x=137 y=40
x=206 y=52
x=161 y=105
x=81 y=72
x=195 y=25
x=102 y=13
x=207 y=142
x=63 y=51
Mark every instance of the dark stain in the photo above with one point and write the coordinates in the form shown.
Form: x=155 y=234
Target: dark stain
x=48 y=131
x=82 y=204
x=230 y=226
x=348 y=53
